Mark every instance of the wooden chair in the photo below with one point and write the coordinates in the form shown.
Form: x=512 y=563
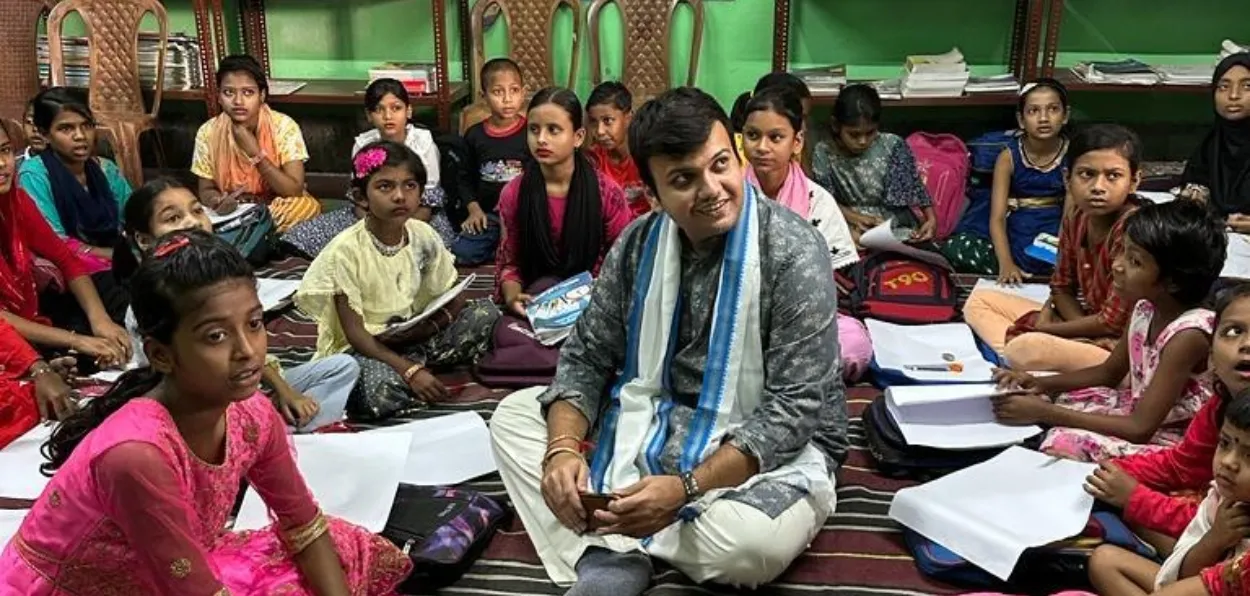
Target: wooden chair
x=529 y=25
x=115 y=94
x=648 y=31
x=19 y=70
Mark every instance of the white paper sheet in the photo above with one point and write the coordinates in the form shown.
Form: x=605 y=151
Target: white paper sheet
x=991 y=512
x=353 y=477
x=895 y=346
x=434 y=305
x=240 y=211
x=19 y=465
x=951 y=416
x=1237 y=261
x=1038 y=293
x=274 y=293
x=445 y=450
x=10 y=522
x=882 y=238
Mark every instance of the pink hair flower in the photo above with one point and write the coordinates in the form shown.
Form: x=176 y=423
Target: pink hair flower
x=368 y=161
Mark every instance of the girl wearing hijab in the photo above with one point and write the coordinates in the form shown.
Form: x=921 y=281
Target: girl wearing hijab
x=1219 y=170
x=79 y=194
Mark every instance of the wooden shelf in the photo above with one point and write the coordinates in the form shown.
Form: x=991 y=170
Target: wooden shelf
x=1076 y=83
x=969 y=100
x=351 y=92
x=210 y=28
x=327 y=92
x=1026 y=33
x=1050 y=50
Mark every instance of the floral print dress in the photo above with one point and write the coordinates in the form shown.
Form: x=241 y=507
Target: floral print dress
x=1143 y=362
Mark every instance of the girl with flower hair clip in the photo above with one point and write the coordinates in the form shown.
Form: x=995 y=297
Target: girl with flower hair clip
x=384 y=269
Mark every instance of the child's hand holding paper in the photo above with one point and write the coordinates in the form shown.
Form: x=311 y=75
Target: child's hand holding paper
x=1110 y=484
x=1014 y=380
x=1020 y=409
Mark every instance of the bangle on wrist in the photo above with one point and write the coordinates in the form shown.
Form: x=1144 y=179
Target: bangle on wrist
x=412 y=372
x=571 y=441
x=551 y=453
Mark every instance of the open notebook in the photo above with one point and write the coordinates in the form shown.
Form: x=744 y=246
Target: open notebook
x=433 y=307
x=951 y=416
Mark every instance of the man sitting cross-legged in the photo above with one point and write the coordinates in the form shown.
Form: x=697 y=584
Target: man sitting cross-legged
x=704 y=373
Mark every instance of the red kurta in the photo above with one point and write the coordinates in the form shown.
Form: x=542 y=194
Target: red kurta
x=18 y=411
x=24 y=235
x=1183 y=467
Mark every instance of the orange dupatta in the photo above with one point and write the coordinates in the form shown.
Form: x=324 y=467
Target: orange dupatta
x=232 y=169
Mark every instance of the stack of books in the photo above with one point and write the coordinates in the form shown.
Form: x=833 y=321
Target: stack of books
x=1002 y=83
x=888 y=88
x=1188 y=74
x=417 y=77
x=940 y=75
x=823 y=80
x=1129 y=71
x=182 y=61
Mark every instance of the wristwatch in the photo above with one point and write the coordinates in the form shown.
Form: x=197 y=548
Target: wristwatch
x=691 y=485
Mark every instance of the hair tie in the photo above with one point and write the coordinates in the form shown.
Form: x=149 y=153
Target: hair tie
x=368 y=161
x=174 y=245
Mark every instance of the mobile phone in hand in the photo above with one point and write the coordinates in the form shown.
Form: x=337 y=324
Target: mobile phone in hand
x=592 y=502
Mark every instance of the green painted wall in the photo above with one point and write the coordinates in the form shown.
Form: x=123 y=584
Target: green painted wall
x=340 y=38
x=343 y=38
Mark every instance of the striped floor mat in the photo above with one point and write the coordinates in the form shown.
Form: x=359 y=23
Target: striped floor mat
x=860 y=552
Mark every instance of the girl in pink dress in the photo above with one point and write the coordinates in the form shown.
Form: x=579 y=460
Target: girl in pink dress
x=1173 y=253
x=561 y=215
x=146 y=476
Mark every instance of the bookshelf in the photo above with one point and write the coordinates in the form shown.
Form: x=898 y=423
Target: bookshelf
x=1026 y=29
x=1050 y=52
x=211 y=30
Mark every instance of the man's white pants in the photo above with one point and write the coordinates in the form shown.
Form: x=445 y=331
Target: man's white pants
x=730 y=543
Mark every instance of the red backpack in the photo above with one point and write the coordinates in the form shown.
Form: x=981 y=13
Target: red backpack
x=892 y=287
x=942 y=160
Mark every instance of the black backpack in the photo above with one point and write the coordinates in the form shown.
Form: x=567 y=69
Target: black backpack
x=453 y=159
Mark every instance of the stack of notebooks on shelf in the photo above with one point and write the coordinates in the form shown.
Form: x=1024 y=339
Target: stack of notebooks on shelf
x=417 y=77
x=1187 y=74
x=940 y=75
x=1129 y=71
x=823 y=80
x=1002 y=83
x=888 y=88
x=182 y=61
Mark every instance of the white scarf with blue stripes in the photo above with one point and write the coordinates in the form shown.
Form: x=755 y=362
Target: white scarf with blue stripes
x=635 y=425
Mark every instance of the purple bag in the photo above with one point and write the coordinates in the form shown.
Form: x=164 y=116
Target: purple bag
x=443 y=530
x=517 y=359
